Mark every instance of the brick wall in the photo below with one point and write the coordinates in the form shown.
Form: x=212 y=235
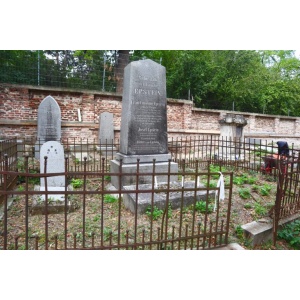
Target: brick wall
x=19 y=106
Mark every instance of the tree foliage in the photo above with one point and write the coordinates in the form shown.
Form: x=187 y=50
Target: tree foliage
x=244 y=80
x=266 y=81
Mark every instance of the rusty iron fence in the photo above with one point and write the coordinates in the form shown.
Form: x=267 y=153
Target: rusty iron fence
x=8 y=161
x=84 y=219
x=182 y=215
x=247 y=154
x=287 y=201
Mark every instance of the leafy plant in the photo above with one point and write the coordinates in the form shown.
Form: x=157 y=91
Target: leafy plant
x=216 y=169
x=251 y=180
x=244 y=193
x=97 y=218
x=265 y=190
x=255 y=187
x=240 y=180
x=291 y=233
x=33 y=180
x=77 y=183
x=213 y=184
x=203 y=208
x=21 y=188
x=259 y=209
x=248 y=205
x=109 y=198
x=239 y=231
x=155 y=213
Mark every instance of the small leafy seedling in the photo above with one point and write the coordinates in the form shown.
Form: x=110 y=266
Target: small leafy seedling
x=244 y=193
x=265 y=190
x=109 y=198
x=155 y=214
x=77 y=183
x=248 y=205
x=201 y=207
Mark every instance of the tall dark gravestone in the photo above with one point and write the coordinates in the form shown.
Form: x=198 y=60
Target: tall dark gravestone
x=144 y=106
x=48 y=124
x=143 y=133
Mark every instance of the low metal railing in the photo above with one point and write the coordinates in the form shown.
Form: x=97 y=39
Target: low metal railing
x=88 y=162
x=92 y=216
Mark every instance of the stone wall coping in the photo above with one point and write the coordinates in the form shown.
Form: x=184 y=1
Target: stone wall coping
x=245 y=114
x=61 y=89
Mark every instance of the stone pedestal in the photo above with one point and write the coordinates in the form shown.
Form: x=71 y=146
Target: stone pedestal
x=144 y=167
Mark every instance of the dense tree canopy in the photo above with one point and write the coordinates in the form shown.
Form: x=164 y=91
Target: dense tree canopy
x=265 y=81
x=245 y=80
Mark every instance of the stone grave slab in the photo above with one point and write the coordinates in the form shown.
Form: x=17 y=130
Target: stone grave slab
x=48 y=123
x=159 y=198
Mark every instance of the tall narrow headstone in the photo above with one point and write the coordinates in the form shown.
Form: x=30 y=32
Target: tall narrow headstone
x=48 y=124
x=106 y=129
x=143 y=133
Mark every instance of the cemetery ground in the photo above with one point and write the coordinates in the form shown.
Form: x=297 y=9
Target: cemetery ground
x=253 y=197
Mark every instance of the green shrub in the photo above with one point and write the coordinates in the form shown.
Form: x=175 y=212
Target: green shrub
x=291 y=233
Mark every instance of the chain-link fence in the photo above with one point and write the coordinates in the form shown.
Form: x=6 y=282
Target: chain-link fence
x=100 y=70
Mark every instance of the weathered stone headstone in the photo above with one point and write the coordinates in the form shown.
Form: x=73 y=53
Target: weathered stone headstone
x=106 y=134
x=55 y=164
x=144 y=109
x=48 y=123
x=106 y=128
x=143 y=133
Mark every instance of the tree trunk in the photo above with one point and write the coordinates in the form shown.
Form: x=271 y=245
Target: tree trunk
x=122 y=62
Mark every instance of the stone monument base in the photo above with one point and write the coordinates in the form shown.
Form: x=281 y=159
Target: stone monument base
x=144 y=200
x=106 y=151
x=129 y=166
x=56 y=202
